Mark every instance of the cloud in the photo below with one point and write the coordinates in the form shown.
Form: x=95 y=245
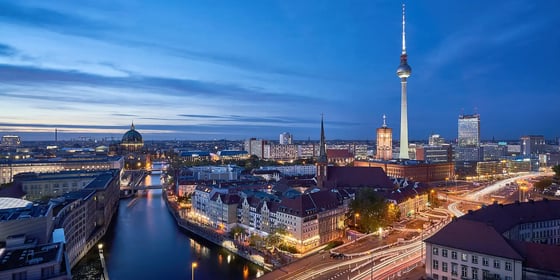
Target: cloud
x=27 y=75
x=6 y=50
x=49 y=19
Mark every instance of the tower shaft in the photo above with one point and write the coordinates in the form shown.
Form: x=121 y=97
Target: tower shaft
x=403 y=153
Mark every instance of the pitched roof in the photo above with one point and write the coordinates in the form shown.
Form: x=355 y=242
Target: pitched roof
x=352 y=177
x=538 y=256
x=339 y=153
x=504 y=217
x=459 y=234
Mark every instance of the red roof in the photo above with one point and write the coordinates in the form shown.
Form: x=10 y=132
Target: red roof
x=353 y=177
x=339 y=153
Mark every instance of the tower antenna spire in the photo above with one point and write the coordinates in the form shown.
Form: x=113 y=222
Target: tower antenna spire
x=384 y=121
x=403 y=30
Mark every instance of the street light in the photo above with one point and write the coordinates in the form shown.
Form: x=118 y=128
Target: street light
x=193 y=266
x=356 y=216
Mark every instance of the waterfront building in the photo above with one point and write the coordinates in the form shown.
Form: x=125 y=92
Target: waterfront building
x=85 y=215
x=9 y=168
x=45 y=261
x=384 y=142
x=403 y=72
x=222 y=212
x=286 y=138
x=532 y=145
x=75 y=215
x=513 y=241
x=310 y=219
x=132 y=140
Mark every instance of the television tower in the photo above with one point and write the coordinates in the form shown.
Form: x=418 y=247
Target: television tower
x=403 y=72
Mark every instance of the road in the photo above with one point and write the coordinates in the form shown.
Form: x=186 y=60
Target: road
x=477 y=195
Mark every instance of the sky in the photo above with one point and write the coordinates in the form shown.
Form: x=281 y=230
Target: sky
x=202 y=70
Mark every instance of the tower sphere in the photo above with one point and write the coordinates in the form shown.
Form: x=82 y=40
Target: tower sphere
x=404 y=70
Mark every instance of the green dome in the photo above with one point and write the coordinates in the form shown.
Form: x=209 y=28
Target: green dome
x=132 y=136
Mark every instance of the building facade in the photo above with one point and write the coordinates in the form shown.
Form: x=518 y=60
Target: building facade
x=513 y=241
x=384 y=142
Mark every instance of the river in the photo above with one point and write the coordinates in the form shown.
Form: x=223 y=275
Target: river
x=144 y=243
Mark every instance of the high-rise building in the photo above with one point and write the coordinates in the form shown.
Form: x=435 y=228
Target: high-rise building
x=532 y=145
x=255 y=147
x=384 y=141
x=469 y=131
x=468 y=141
x=403 y=72
x=286 y=138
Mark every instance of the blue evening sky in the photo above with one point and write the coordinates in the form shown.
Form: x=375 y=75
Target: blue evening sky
x=237 y=69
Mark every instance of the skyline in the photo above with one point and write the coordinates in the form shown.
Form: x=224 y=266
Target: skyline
x=194 y=71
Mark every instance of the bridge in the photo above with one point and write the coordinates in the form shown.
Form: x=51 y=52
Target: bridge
x=132 y=182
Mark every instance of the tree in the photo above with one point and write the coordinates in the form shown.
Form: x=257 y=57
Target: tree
x=274 y=239
x=556 y=170
x=371 y=211
x=542 y=184
x=237 y=230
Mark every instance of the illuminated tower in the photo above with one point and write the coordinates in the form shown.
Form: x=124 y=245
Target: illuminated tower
x=322 y=161
x=384 y=141
x=403 y=72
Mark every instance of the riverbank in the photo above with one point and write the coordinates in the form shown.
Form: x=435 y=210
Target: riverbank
x=215 y=238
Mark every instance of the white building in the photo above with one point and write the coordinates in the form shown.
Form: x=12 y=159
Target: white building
x=514 y=241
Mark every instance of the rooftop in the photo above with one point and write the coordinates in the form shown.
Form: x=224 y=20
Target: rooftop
x=32 y=256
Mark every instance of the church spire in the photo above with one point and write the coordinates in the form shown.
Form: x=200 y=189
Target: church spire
x=132 y=126
x=322 y=145
x=322 y=161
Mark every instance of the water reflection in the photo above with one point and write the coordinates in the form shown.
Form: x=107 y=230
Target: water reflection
x=145 y=243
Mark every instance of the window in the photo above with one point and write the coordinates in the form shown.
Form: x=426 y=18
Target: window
x=474 y=272
x=508 y=266
x=435 y=276
x=435 y=264
x=454 y=255
x=464 y=257
x=485 y=274
x=464 y=271
x=435 y=251
x=444 y=253
x=443 y=277
x=474 y=259
x=496 y=263
x=19 y=275
x=47 y=272
x=485 y=261
x=508 y=278
x=454 y=269
x=444 y=266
